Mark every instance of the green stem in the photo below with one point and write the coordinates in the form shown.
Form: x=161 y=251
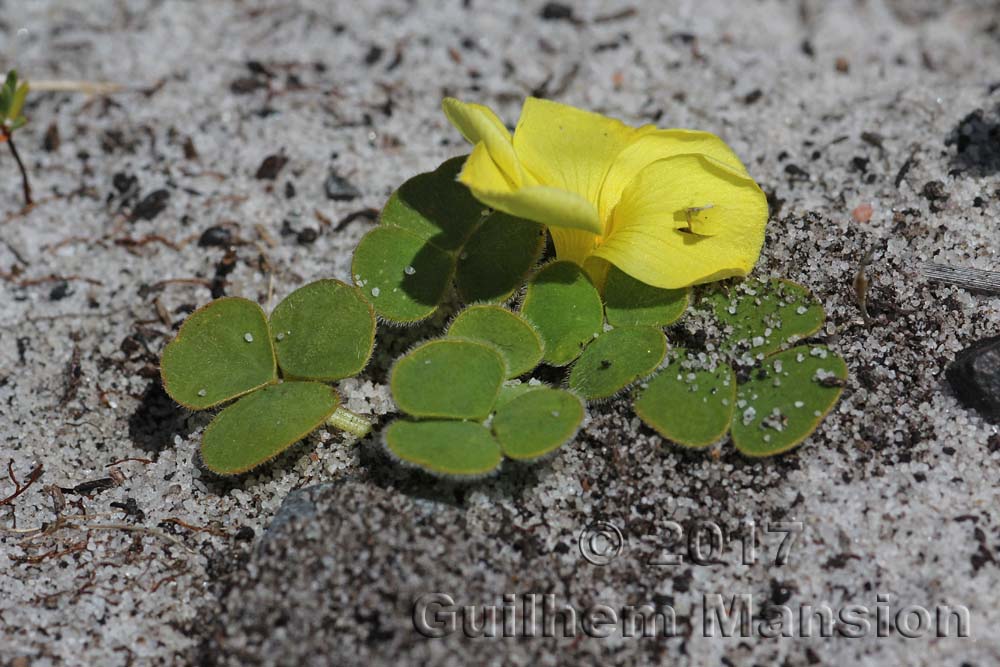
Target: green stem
x=348 y=421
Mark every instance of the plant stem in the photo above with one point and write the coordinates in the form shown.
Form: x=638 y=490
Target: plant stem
x=348 y=421
x=24 y=172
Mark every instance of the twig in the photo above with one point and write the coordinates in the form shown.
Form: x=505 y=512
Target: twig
x=197 y=529
x=55 y=553
x=18 y=487
x=971 y=279
x=114 y=463
x=68 y=86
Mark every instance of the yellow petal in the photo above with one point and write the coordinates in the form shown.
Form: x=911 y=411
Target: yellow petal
x=574 y=245
x=547 y=205
x=651 y=145
x=655 y=238
x=568 y=148
x=479 y=124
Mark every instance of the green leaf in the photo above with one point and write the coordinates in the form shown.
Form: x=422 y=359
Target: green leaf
x=450 y=448
x=18 y=123
x=323 y=331
x=260 y=426
x=537 y=422
x=566 y=310
x=616 y=359
x=689 y=402
x=497 y=257
x=17 y=103
x=435 y=207
x=516 y=340
x=403 y=276
x=223 y=350
x=448 y=378
x=786 y=399
x=511 y=390
x=628 y=302
x=765 y=315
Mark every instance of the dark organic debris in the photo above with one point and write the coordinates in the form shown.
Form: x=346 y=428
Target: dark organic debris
x=59 y=291
x=150 y=206
x=90 y=487
x=307 y=236
x=131 y=508
x=796 y=173
x=339 y=188
x=557 y=11
x=51 y=140
x=271 y=167
x=935 y=193
x=216 y=236
x=975 y=377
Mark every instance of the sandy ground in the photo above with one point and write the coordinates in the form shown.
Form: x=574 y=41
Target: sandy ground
x=831 y=105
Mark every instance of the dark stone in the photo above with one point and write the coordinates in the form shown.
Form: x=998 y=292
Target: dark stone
x=124 y=182
x=59 y=291
x=753 y=96
x=977 y=142
x=215 y=236
x=338 y=188
x=307 y=236
x=244 y=534
x=975 y=377
x=271 y=167
x=151 y=205
x=557 y=11
x=373 y=55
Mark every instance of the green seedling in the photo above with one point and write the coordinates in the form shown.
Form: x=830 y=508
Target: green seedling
x=616 y=359
x=277 y=370
x=433 y=233
x=12 y=98
x=517 y=341
x=566 y=308
x=695 y=401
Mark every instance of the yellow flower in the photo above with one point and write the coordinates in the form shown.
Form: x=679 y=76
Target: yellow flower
x=671 y=208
